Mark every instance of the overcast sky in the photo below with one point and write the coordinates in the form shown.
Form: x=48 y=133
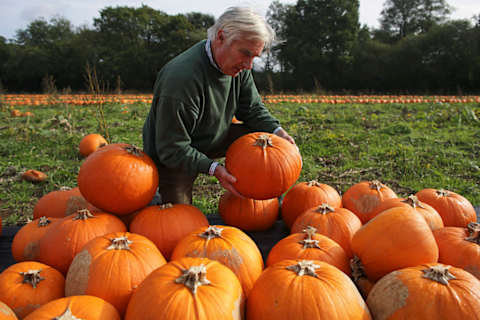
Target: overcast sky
x=17 y=14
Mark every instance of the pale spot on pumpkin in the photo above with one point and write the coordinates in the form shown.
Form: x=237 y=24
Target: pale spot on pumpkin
x=75 y=203
x=31 y=250
x=76 y=281
x=5 y=310
x=366 y=203
x=237 y=312
x=231 y=258
x=387 y=296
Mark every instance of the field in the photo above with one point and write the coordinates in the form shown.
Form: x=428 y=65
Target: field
x=407 y=142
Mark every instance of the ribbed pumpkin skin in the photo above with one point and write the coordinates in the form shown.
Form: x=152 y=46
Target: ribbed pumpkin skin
x=431 y=216
x=23 y=298
x=61 y=203
x=82 y=307
x=159 y=297
x=166 y=225
x=397 y=238
x=60 y=244
x=118 y=178
x=406 y=294
x=282 y=294
x=305 y=195
x=90 y=143
x=248 y=214
x=26 y=242
x=455 y=210
x=339 y=225
x=291 y=248
x=233 y=248
x=6 y=313
x=362 y=198
x=456 y=251
x=263 y=173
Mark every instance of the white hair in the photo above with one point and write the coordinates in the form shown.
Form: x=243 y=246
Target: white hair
x=242 y=22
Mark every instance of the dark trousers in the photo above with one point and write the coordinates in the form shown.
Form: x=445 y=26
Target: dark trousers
x=175 y=185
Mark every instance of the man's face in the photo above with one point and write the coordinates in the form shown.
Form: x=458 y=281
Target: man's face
x=236 y=55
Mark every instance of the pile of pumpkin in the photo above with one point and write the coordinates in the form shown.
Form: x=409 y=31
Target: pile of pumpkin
x=100 y=251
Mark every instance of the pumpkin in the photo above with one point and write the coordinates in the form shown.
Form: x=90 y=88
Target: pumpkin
x=428 y=291
x=397 y=238
x=76 y=307
x=25 y=243
x=431 y=216
x=308 y=245
x=35 y=176
x=363 y=197
x=90 y=143
x=460 y=247
x=118 y=178
x=6 y=313
x=27 y=285
x=61 y=203
x=248 y=214
x=112 y=266
x=264 y=165
x=364 y=285
x=188 y=289
x=305 y=290
x=167 y=224
x=228 y=245
x=305 y=195
x=59 y=245
x=339 y=224
x=455 y=210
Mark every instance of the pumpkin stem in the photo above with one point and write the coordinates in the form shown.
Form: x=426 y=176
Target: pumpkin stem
x=83 y=214
x=43 y=221
x=376 y=184
x=443 y=193
x=121 y=243
x=67 y=315
x=304 y=268
x=310 y=231
x=32 y=277
x=313 y=183
x=474 y=232
x=438 y=273
x=211 y=232
x=263 y=141
x=166 y=206
x=324 y=208
x=65 y=188
x=194 y=277
x=358 y=271
x=134 y=150
x=309 y=243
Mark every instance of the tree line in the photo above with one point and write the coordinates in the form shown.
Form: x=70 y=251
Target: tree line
x=322 y=48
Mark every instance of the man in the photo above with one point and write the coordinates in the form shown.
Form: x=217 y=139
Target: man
x=195 y=98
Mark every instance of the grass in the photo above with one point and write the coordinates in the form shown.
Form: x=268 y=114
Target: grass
x=406 y=146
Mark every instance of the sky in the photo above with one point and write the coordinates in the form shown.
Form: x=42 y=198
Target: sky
x=17 y=14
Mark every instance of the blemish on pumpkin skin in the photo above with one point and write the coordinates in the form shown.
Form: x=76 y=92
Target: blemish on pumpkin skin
x=30 y=252
x=4 y=310
x=366 y=203
x=76 y=281
x=387 y=296
x=23 y=311
x=230 y=258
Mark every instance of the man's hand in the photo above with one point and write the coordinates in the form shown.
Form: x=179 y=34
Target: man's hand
x=226 y=180
x=283 y=134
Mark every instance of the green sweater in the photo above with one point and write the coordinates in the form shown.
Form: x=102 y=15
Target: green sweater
x=192 y=109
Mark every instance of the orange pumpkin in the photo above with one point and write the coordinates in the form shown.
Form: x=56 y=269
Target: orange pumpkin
x=34 y=176
x=308 y=245
x=228 y=245
x=363 y=197
x=455 y=210
x=167 y=224
x=264 y=165
x=248 y=214
x=25 y=243
x=305 y=195
x=431 y=216
x=395 y=239
x=305 y=290
x=339 y=224
x=27 y=285
x=118 y=178
x=188 y=289
x=429 y=291
x=364 y=285
x=61 y=203
x=90 y=143
x=6 y=313
x=76 y=307
x=59 y=245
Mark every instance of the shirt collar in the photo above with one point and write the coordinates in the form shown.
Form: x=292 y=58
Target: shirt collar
x=208 y=49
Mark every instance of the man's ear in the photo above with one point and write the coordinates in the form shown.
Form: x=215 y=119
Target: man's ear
x=220 y=35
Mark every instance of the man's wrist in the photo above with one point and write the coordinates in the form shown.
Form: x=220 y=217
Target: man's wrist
x=276 y=130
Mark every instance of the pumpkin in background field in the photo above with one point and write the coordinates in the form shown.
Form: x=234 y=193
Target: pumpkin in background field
x=305 y=290
x=228 y=245
x=90 y=143
x=112 y=267
x=455 y=210
x=167 y=224
x=35 y=176
x=305 y=195
x=429 y=291
x=363 y=197
x=118 y=178
x=339 y=224
x=188 y=289
x=397 y=238
x=27 y=285
x=248 y=214
x=6 y=313
x=264 y=165
x=61 y=203
x=76 y=307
